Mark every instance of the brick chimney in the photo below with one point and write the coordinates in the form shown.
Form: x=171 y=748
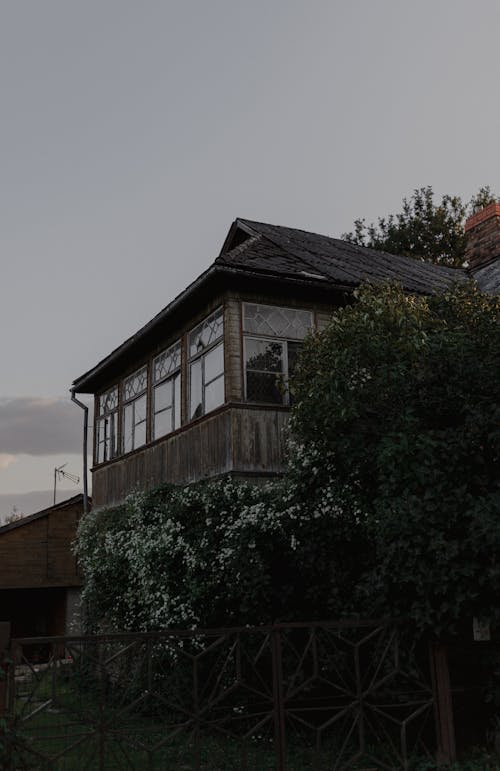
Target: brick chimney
x=482 y=231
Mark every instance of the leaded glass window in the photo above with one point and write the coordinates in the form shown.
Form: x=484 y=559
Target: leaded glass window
x=271 y=350
x=273 y=321
x=167 y=391
x=107 y=426
x=134 y=410
x=206 y=365
x=167 y=362
x=206 y=333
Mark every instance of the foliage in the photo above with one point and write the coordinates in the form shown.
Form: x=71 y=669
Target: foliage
x=398 y=413
x=222 y=553
x=389 y=507
x=423 y=229
x=14 y=516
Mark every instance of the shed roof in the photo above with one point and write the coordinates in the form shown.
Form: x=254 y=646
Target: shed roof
x=67 y=504
x=290 y=256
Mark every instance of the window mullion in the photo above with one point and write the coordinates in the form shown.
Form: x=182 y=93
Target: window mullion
x=203 y=383
x=286 y=394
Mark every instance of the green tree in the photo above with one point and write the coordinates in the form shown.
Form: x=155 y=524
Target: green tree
x=423 y=229
x=397 y=418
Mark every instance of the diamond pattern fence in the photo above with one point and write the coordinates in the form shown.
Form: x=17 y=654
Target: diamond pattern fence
x=299 y=697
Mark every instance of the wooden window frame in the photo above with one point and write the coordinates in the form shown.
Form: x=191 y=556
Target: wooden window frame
x=283 y=340
x=131 y=402
x=170 y=376
x=113 y=418
x=201 y=357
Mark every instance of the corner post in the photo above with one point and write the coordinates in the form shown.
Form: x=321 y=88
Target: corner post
x=443 y=704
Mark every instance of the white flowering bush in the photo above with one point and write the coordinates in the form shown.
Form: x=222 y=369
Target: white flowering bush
x=211 y=554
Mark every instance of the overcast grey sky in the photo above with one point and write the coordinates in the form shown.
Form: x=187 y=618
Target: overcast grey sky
x=133 y=133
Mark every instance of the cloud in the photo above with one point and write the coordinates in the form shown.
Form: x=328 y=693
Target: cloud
x=39 y=427
x=6 y=460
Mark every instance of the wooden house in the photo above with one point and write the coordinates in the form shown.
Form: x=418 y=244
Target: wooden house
x=39 y=576
x=201 y=390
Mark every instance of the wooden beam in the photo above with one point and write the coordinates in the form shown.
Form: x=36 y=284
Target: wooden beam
x=443 y=704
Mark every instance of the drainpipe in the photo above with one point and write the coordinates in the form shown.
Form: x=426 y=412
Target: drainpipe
x=85 y=435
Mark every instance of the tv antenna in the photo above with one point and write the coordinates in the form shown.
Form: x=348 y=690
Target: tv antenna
x=60 y=474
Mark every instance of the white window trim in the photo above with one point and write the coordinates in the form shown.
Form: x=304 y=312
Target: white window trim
x=176 y=408
x=200 y=356
x=109 y=418
x=131 y=401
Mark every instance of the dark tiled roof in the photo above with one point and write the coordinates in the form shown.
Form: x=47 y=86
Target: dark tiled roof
x=290 y=252
x=281 y=254
x=488 y=277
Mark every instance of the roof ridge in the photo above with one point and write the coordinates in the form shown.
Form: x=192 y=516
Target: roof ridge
x=237 y=250
x=293 y=252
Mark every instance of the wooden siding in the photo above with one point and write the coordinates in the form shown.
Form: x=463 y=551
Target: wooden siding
x=258 y=440
x=37 y=553
x=202 y=449
x=236 y=439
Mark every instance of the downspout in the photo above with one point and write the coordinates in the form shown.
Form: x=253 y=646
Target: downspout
x=85 y=435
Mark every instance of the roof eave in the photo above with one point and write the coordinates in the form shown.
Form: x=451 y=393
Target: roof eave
x=84 y=383
x=92 y=380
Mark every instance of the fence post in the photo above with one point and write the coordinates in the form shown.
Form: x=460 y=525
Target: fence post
x=279 y=711
x=443 y=705
x=4 y=648
x=5 y=694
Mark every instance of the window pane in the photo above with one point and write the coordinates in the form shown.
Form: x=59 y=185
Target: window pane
x=128 y=428
x=167 y=362
x=163 y=396
x=101 y=439
x=163 y=423
x=135 y=384
x=264 y=355
x=214 y=363
x=177 y=401
x=264 y=387
x=108 y=401
x=206 y=333
x=195 y=407
x=214 y=394
x=113 y=440
x=140 y=409
x=140 y=434
x=293 y=355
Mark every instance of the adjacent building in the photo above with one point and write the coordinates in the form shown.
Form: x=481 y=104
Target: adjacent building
x=39 y=576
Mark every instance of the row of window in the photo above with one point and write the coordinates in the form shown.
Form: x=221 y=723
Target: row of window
x=272 y=339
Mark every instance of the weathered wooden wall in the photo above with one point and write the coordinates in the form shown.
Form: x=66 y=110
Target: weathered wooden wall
x=237 y=439
x=36 y=552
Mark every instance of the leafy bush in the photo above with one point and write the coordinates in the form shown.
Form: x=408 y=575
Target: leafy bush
x=398 y=415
